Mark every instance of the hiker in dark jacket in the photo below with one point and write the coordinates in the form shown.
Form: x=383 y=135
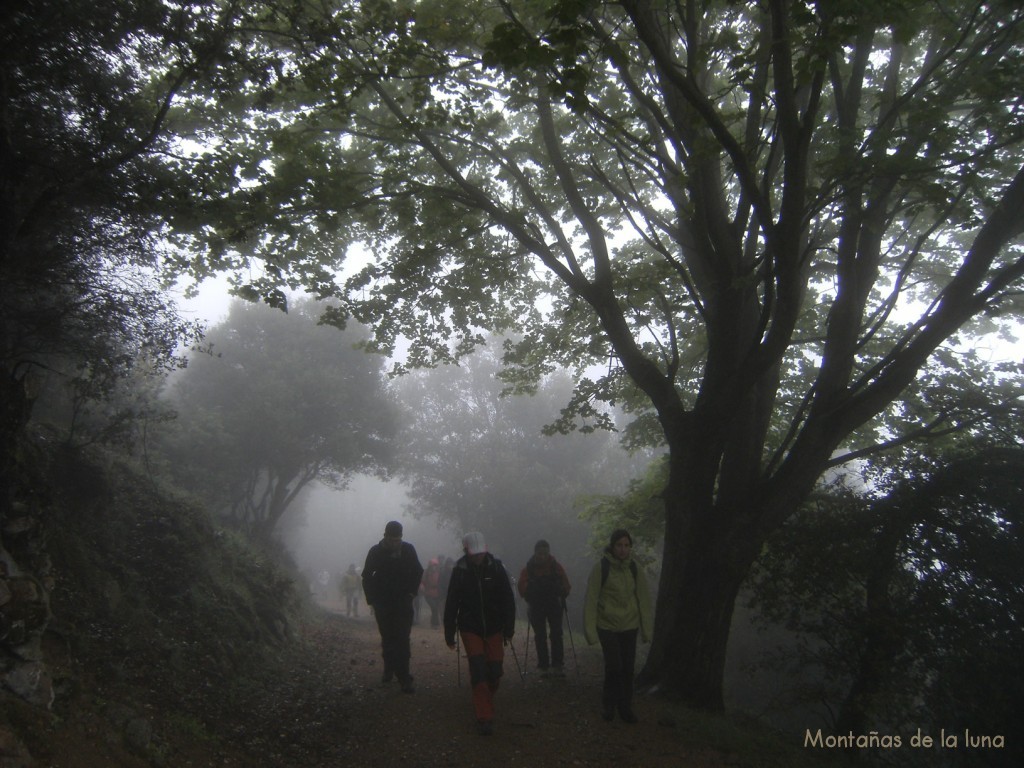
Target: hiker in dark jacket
x=481 y=607
x=391 y=580
x=617 y=608
x=544 y=585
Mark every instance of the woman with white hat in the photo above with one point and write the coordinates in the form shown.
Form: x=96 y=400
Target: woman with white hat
x=482 y=609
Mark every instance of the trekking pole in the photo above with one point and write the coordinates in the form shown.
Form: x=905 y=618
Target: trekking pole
x=572 y=643
x=516 y=657
x=526 y=651
x=458 y=661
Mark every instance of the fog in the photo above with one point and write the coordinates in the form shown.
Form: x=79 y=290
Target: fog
x=326 y=529
x=331 y=529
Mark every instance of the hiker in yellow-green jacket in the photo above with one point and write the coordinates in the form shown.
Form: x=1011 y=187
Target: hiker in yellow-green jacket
x=617 y=609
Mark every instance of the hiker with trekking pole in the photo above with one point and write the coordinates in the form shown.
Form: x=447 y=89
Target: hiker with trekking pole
x=544 y=585
x=616 y=610
x=481 y=608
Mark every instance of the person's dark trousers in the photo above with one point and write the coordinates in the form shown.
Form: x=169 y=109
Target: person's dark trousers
x=545 y=616
x=394 y=620
x=435 y=606
x=619 y=649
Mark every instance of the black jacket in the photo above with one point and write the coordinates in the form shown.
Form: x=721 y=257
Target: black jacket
x=480 y=600
x=391 y=576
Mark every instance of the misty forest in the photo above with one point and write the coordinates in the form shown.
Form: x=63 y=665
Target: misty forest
x=743 y=278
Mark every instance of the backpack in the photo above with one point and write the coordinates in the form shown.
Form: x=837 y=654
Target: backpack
x=548 y=586
x=606 y=566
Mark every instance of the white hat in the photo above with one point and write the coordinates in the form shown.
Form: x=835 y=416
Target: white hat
x=474 y=543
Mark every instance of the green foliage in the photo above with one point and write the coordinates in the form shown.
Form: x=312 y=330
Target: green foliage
x=450 y=160
x=908 y=594
x=87 y=191
x=640 y=510
x=766 y=222
x=562 y=45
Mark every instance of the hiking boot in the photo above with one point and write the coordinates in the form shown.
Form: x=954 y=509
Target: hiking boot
x=626 y=713
x=486 y=728
x=407 y=686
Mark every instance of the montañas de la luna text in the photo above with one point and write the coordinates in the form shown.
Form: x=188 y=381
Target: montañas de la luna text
x=876 y=740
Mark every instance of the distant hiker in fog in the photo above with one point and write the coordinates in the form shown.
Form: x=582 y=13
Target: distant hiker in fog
x=481 y=606
x=351 y=585
x=618 y=606
x=391 y=580
x=544 y=586
x=432 y=591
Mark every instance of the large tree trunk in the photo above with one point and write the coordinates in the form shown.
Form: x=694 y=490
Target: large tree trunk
x=688 y=653
x=705 y=561
x=718 y=514
x=283 y=487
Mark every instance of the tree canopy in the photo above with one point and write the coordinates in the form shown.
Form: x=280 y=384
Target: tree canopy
x=475 y=459
x=770 y=223
x=90 y=177
x=279 y=401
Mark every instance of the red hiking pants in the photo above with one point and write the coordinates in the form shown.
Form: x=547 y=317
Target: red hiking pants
x=485 y=656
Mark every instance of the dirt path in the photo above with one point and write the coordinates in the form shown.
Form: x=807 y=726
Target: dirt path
x=318 y=702
x=334 y=711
